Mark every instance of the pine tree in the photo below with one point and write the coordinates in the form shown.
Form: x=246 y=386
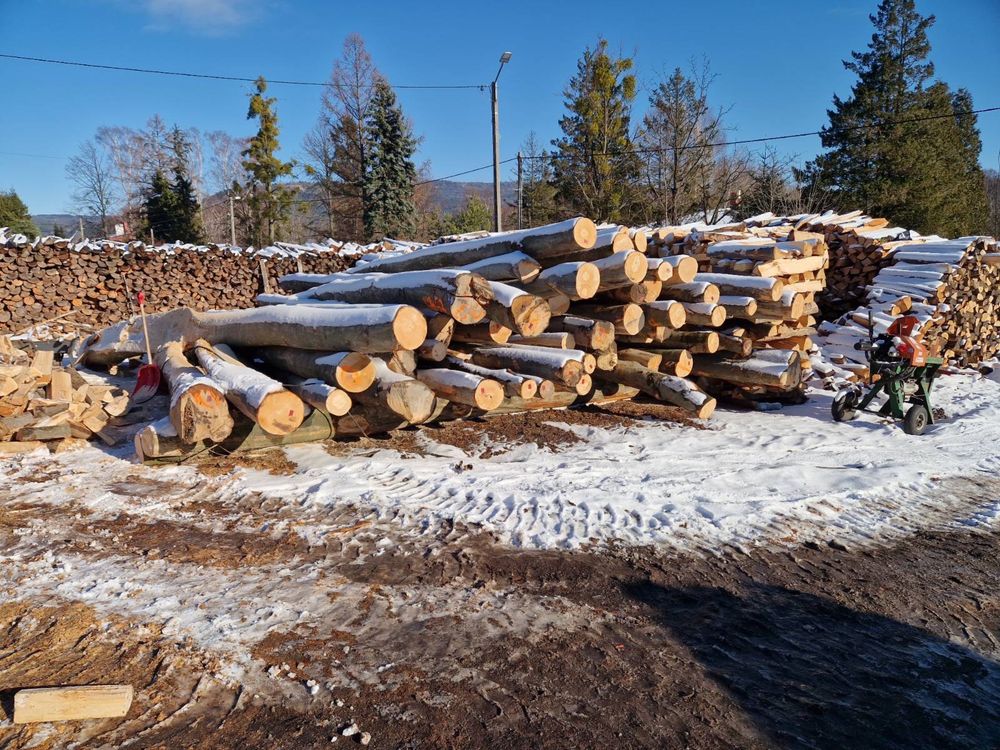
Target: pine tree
x=390 y=172
x=187 y=221
x=14 y=215
x=896 y=146
x=597 y=168
x=269 y=203
x=475 y=216
x=162 y=209
x=538 y=200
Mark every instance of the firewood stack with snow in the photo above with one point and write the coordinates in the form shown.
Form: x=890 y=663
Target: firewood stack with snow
x=42 y=404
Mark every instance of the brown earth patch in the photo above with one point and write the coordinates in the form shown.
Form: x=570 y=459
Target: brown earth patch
x=272 y=460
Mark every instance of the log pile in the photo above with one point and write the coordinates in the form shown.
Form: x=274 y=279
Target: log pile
x=44 y=405
x=93 y=282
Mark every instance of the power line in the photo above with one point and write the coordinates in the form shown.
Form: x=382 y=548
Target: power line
x=216 y=77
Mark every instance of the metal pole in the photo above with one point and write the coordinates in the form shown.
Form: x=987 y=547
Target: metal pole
x=497 y=221
x=520 y=191
x=232 y=223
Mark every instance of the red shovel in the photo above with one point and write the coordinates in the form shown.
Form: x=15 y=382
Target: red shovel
x=147 y=381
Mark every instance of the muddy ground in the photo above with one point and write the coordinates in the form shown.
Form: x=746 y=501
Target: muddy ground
x=445 y=639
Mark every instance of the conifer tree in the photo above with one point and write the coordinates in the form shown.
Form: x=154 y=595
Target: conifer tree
x=162 y=209
x=475 y=216
x=597 y=168
x=187 y=221
x=390 y=172
x=14 y=215
x=269 y=202
x=898 y=146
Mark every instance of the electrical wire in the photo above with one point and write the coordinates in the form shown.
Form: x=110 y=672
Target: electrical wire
x=217 y=77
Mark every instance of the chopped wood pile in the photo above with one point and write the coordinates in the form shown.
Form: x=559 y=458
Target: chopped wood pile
x=42 y=404
x=93 y=282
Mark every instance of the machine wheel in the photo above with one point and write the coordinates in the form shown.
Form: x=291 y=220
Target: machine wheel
x=916 y=420
x=843 y=406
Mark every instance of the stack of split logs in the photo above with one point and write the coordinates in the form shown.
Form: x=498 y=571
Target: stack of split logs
x=94 y=282
x=751 y=308
x=42 y=404
x=952 y=287
x=537 y=318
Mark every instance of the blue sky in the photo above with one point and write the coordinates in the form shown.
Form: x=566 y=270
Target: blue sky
x=777 y=64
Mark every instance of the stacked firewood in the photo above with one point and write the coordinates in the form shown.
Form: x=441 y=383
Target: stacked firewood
x=93 y=282
x=952 y=287
x=42 y=404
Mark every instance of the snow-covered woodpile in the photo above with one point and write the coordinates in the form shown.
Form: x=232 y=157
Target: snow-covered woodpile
x=93 y=282
x=44 y=404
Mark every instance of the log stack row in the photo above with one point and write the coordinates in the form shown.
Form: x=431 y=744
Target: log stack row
x=42 y=404
x=93 y=282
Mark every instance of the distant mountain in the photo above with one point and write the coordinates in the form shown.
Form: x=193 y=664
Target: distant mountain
x=68 y=222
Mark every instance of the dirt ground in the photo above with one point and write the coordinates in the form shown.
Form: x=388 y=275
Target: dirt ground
x=447 y=639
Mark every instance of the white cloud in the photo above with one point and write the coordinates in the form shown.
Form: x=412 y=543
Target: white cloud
x=203 y=16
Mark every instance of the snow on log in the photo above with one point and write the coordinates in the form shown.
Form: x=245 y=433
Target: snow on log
x=518 y=310
x=198 y=406
x=704 y=314
x=350 y=371
x=763 y=289
x=514 y=385
x=782 y=370
x=514 y=266
x=463 y=387
x=577 y=280
x=563 y=366
x=321 y=396
x=667 y=313
x=587 y=332
x=670 y=388
x=621 y=269
x=695 y=291
x=738 y=307
x=685 y=268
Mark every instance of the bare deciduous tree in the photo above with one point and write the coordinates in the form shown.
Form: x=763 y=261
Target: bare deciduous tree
x=91 y=173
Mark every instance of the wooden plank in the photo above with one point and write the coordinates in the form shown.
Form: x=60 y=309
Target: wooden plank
x=71 y=703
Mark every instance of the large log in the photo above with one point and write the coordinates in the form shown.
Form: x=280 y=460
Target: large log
x=463 y=387
x=563 y=366
x=514 y=266
x=198 y=406
x=669 y=388
x=696 y=291
x=350 y=371
x=262 y=399
x=587 y=332
x=762 y=289
x=666 y=313
x=518 y=310
x=577 y=280
x=621 y=269
x=457 y=293
x=375 y=328
x=784 y=373
x=520 y=386
x=628 y=319
x=320 y=395
x=412 y=400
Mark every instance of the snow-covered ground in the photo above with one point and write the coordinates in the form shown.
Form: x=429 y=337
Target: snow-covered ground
x=749 y=478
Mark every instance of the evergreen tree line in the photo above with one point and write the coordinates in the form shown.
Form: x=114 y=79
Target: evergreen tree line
x=900 y=145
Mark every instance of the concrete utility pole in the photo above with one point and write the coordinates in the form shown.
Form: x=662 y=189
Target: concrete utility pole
x=232 y=221
x=497 y=208
x=520 y=191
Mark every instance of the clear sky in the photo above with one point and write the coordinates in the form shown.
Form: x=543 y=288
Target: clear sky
x=778 y=64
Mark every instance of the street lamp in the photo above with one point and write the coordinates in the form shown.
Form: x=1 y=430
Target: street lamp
x=497 y=224
x=232 y=219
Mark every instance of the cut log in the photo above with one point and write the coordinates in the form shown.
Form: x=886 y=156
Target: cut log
x=739 y=307
x=606 y=359
x=645 y=357
x=576 y=280
x=552 y=339
x=677 y=362
x=696 y=291
x=457 y=293
x=660 y=270
x=262 y=399
x=321 y=396
x=762 y=289
x=666 y=313
x=433 y=350
x=621 y=269
x=485 y=333
x=71 y=703
x=376 y=328
x=463 y=387
x=669 y=388
x=198 y=406
x=685 y=269
x=697 y=342
x=514 y=266
x=704 y=314
x=349 y=371
x=757 y=370
x=563 y=366
x=514 y=385
x=407 y=397
x=646 y=291
x=627 y=319
x=587 y=332
x=518 y=310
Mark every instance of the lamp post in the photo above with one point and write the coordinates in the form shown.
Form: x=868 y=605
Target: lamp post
x=232 y=219
x=497 y=222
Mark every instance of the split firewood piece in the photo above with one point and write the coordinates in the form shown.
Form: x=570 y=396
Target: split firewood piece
x=621 y=269
x=685 y=269
x=670 y=388
x=518 y=310
x=490 y=332
x=198 y=406
x=587 y=333
x=320 y=395
x=562 y=238
x=277 y=410
x=739 y=307
x=460 y=294
x=60 y=386
x=551 y=339
x=562 y=366
x=440 y=327
x=704 y=314
x=405 y=396
x=332 y=328
x=762 y=289
x=776 y=368
x=514 y=266
x=667 y=313
x=627 y=319
x=696 y=291
x=514 y=385
x=349 y=371
x=71 y=703
x=463 y=387
x=11 y=447
x=785 y=267
x=577 y=280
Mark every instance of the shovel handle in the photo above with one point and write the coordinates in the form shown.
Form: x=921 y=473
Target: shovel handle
x=141 y=298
